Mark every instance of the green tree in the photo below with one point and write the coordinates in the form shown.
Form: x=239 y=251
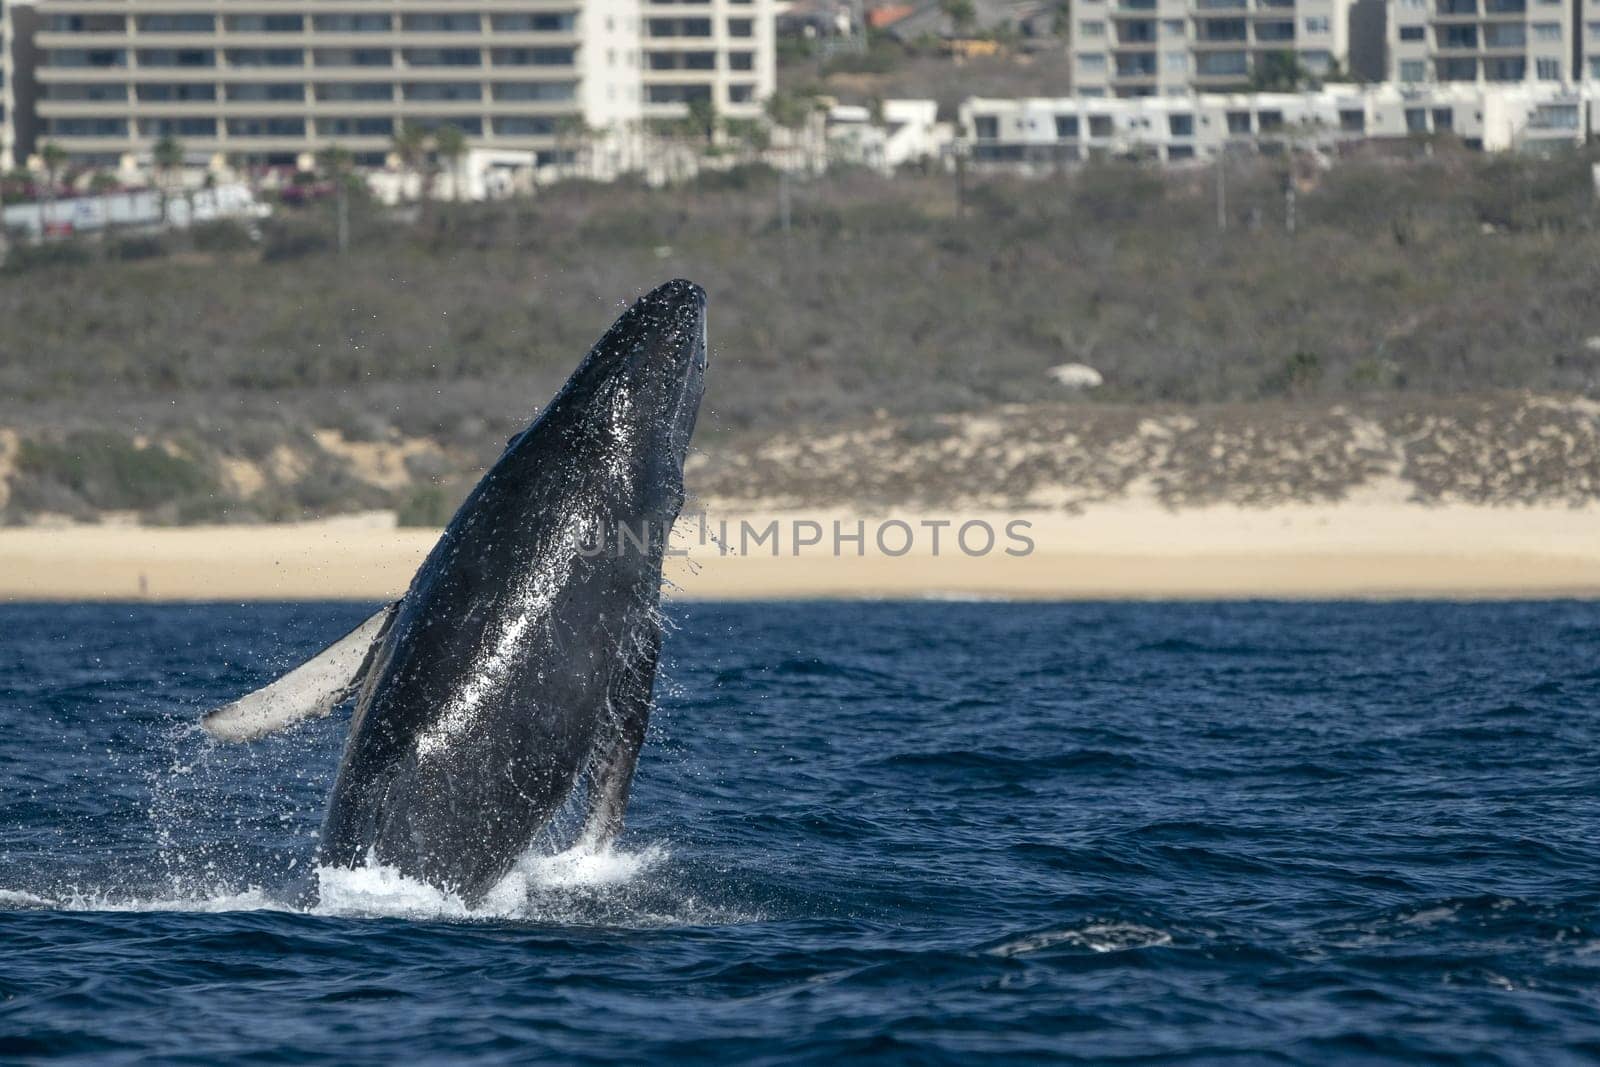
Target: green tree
x=410 y=147
x=167 y=156
x=450 y=147
x=1278 y=72
x=702 y=120
x=54 y=158
x=337 y=165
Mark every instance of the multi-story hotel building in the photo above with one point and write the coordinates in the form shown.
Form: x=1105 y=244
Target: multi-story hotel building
x=1483 y=41
x=266 y=81
x=716 y=50
x=1129 y=48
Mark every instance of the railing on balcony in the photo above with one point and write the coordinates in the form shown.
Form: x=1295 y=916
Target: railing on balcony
x=1457 y=7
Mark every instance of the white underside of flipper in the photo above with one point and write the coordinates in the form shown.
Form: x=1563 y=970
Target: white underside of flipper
x=310 y=691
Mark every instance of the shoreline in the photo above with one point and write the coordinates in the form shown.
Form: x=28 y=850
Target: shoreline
x=1377 y=549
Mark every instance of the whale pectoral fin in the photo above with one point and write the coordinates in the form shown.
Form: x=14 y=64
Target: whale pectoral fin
x=611 y=769
x=310 y=691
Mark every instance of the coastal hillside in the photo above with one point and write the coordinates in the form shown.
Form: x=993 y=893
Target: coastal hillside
x=1426 y=323
x=1502 y=449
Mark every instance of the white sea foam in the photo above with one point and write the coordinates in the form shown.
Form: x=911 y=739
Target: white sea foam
x=583 y=885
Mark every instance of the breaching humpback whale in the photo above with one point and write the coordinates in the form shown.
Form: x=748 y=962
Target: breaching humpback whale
x=524 y=653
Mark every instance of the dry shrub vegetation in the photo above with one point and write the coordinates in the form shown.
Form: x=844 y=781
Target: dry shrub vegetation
x=1405 y=282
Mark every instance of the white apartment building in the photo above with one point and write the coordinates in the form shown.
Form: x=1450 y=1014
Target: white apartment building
x=1488 y=41
x=8 y=108
x=269 y=81
x=1038 y=135
x=717 y=50
x=1131 y=48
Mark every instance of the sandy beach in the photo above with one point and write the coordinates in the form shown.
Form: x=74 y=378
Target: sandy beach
x=1133 y=550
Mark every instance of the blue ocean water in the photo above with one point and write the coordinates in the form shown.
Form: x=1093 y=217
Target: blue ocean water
x=899 y=832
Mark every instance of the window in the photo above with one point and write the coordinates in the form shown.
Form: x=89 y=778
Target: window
x=1100 y=126
x=1444 y=120
x=680 y=61
x=1179 y=152
x=87 y=57
x=1275 y=31
x=677 y=27
x=266 y=57
x=1172 y=27
x=356 y=127
x=1092 y=29
x=442 y=57
x=1269 y=121
x=676 y=94
x=1238 y=122
x=535 y=91
x=178 y=92
x=1413 y=70
x=353 y=57
x=1549 y=70
x=1352 y=120
x=1555 y=117
x=1456 y=70
x=84 y=92
x=266 y=127
x=741 y=94
x=180 y=127
x=1458 y=36
x=1416 y=120
x=277 y=92
x=1066 y=127
x=1505 y=70
x=1594 y=68
x=986 y=128
x=442 y=91
x=741 y=27
x=454 y=22
x=1176 y=62
x=741 y=61
x=1413 y=5
x=265 y=23
x=335 y=91
x=175 y=23
x=1318 y=24
x=88 y=24
x=533 y=23
x=177 y=57
x=1413 y=33
x=351 y=23
x=1594 y=29
x=531 y=57
x=1180 y=125
x=87 y=127
x=524 y=126
x=1091 y=63
x=1547 y=31
x=1505 y=36
x=1223 y=63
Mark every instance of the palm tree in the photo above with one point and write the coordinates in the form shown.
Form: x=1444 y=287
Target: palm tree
x=336 y=164
x=792 y=111
x=703 y=120
x=411 y=146
x=54 y=157
x=167 y=156
x=450 y=146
